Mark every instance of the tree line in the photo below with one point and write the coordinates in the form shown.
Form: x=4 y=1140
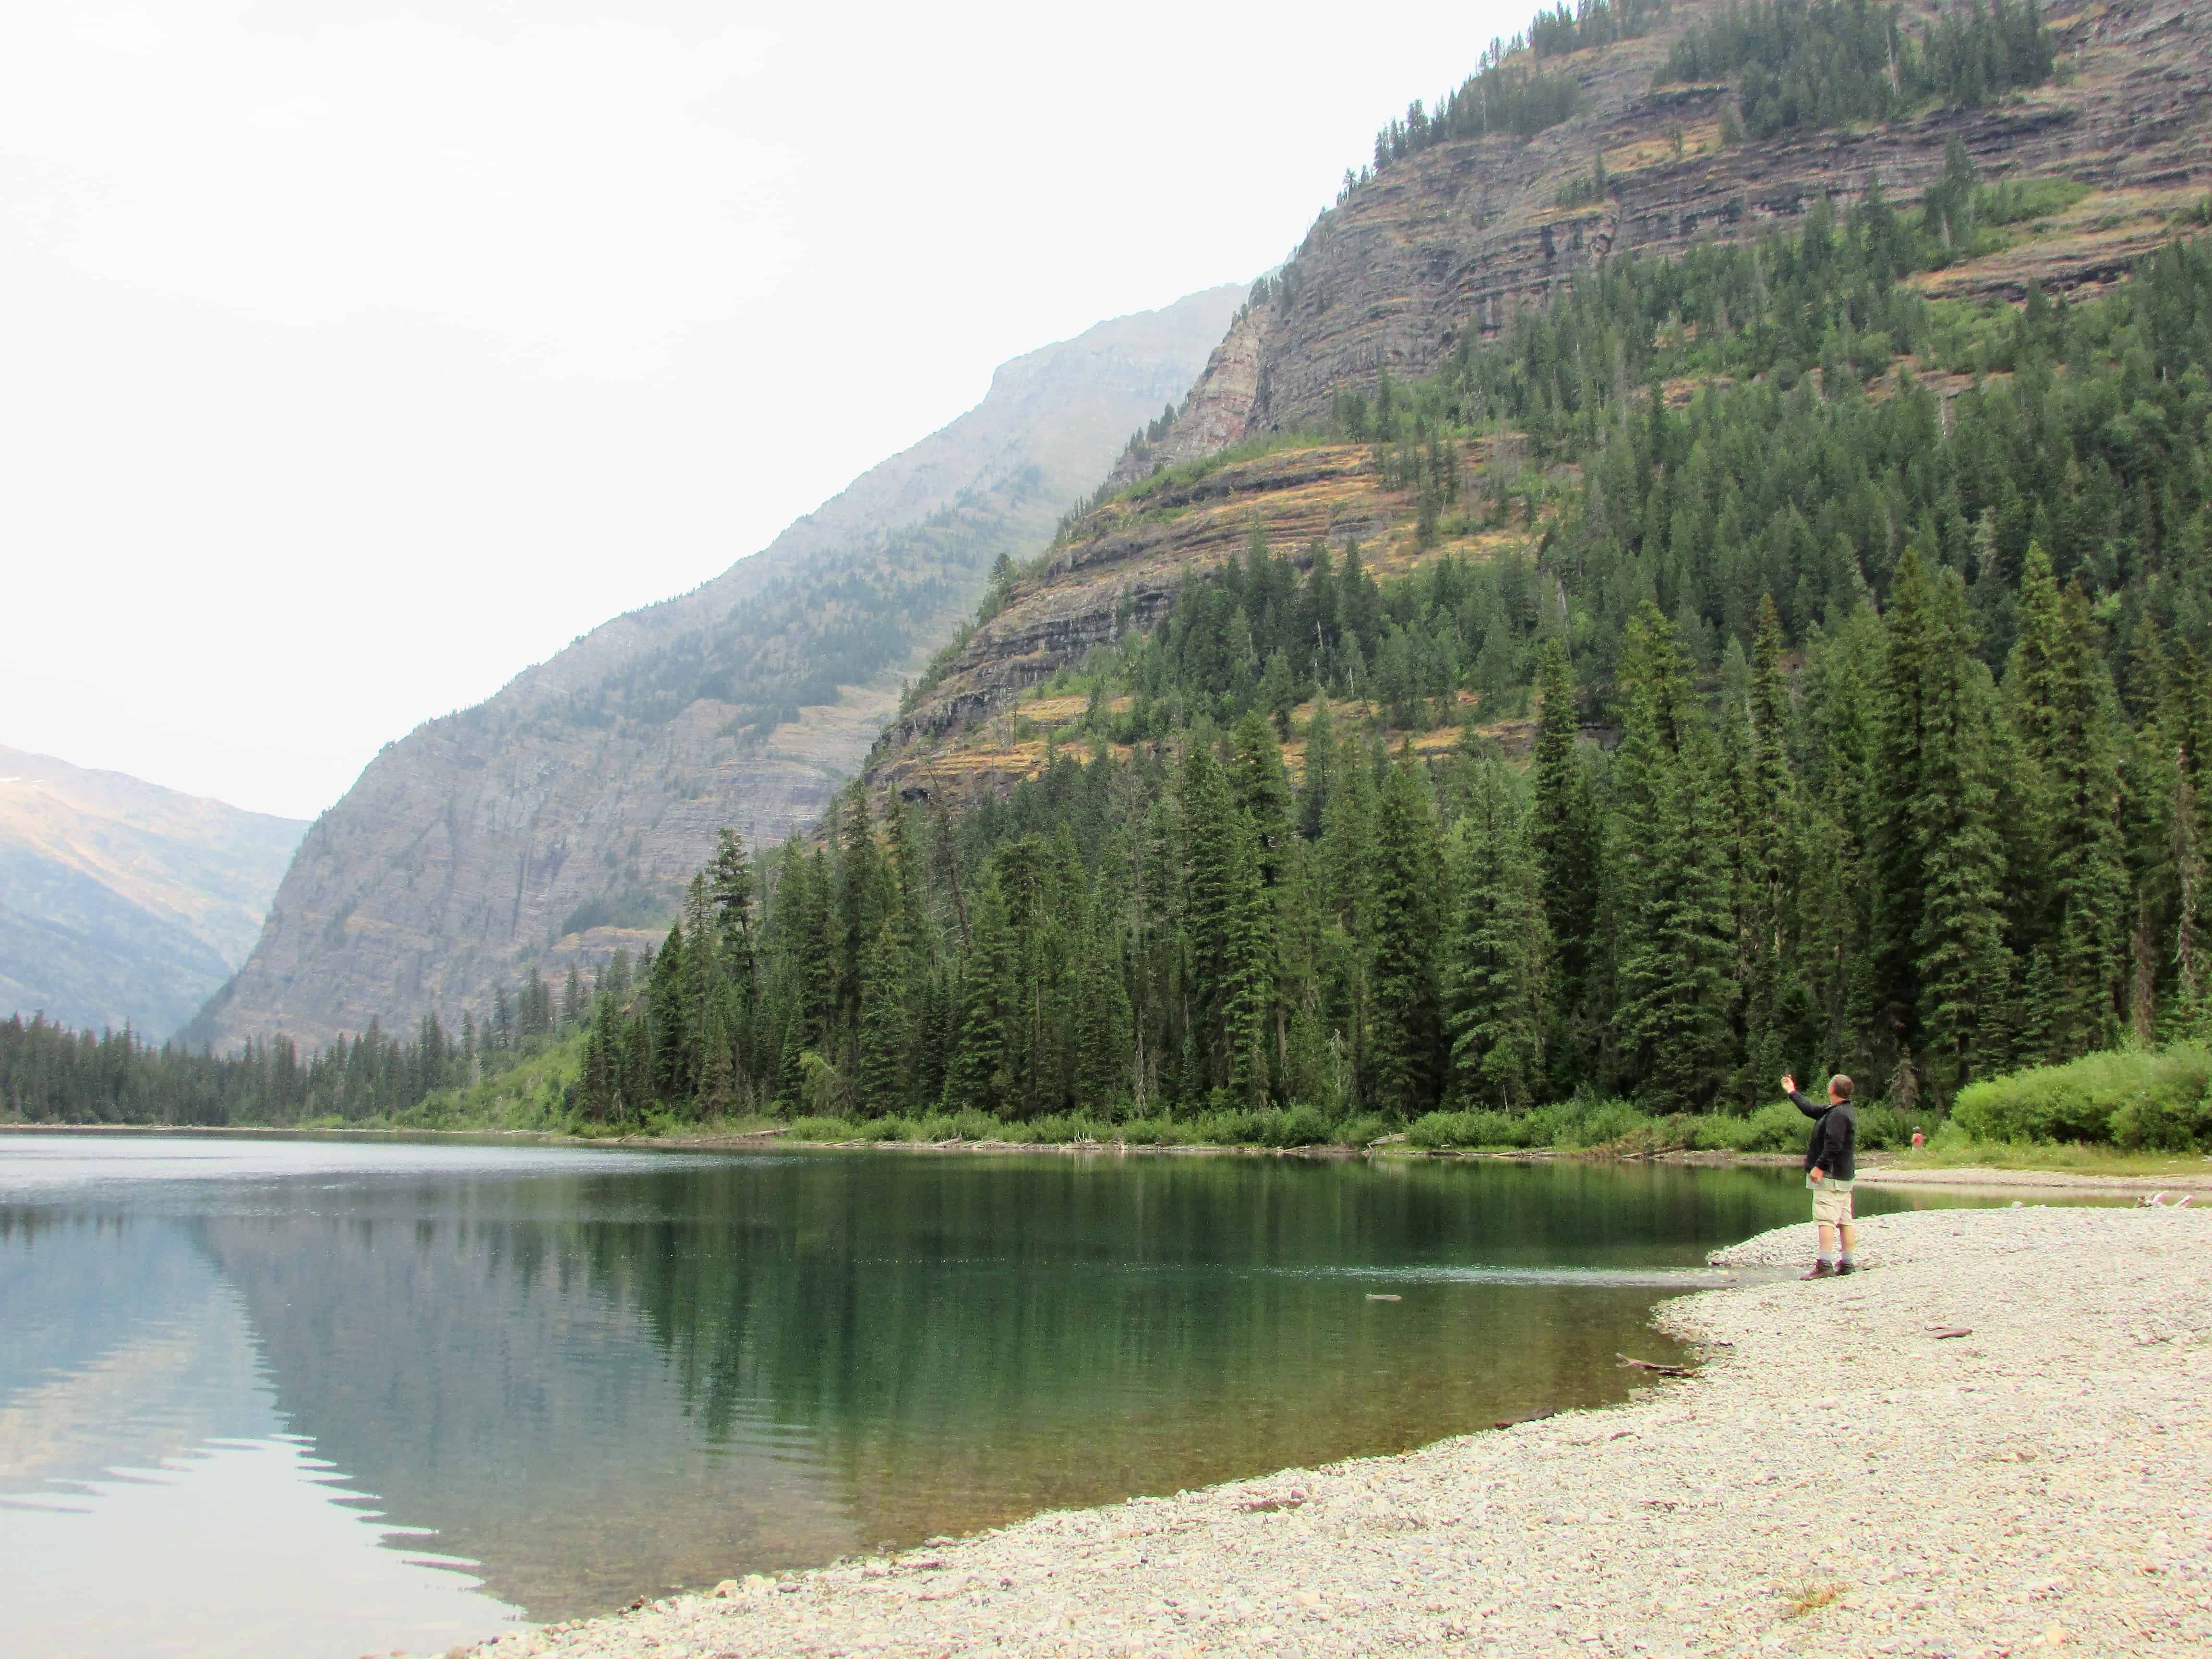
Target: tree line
x=1891 y=862
x=49 y=1073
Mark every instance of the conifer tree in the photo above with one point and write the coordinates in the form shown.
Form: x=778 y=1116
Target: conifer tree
x=1262 y=789
x=1677 y=947
x=1320 y=764
x=885 y=1068
x=980 y=1075
x=1247 y=993
x=1212 y=900
x=1566 y=840
x=2059 y=691
x=1939 y=939
x=859 y=908
x=1768 y=814
x=1102 y=1012
x=1493 y=984
x=673 y=1074
x=1405 y=1019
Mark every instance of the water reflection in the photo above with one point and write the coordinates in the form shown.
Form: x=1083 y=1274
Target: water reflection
x=563 y=1379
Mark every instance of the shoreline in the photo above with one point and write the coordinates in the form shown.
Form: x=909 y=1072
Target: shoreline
x=1875 y=1168
x=1837 y=1476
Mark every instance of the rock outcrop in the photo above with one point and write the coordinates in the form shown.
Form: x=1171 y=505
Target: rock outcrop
x=561 y=818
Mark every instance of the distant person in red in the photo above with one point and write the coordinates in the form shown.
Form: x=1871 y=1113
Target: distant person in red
x=1830 y=1169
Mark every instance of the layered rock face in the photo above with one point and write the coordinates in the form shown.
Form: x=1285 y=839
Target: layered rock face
x=1455 y=240
x=122 y=902
x=560 y=819
x=1459 y=237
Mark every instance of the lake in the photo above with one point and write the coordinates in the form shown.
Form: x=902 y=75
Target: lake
x=320 y=1396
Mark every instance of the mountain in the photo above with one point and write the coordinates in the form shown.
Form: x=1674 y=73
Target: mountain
x=122 y=902
x=559 y=820
x=1456 y=240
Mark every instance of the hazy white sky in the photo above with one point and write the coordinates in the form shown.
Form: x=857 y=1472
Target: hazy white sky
x=355 y=354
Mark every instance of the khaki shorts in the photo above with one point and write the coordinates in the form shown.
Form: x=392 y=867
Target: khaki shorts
x=1832 y=1202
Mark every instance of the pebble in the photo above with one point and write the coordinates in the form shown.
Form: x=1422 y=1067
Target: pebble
x=1834 y=1480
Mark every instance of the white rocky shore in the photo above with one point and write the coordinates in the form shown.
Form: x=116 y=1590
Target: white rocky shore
x=1839 y=1479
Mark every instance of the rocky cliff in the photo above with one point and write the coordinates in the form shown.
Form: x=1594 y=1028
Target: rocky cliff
x=121 y=900
x=561 y=818
x=1453 y=240
x=1456 y=238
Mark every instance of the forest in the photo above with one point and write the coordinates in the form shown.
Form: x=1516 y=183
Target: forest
x=1828 y=63
x=1908 y=704
x=1868 y=719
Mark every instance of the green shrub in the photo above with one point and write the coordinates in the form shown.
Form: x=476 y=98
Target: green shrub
x=825 y=1129
x=1582 y=1124
x=1777 y=1126
x=2135 y=1097
x=1301 y=1126
x=1883 y=1128
x=1365 y=1130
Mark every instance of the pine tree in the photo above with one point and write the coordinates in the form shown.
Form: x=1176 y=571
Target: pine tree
x=673 y=1073
x=1677 y=949
x=1104 y=1018
x=730 y=892
x=1261 y=790
x=861 y=902
x=885 y=1067
x=1567 y=838
x=1767 y=817
x=1493 y=975
x=1939 y=941
x=2060 y=695
x=1212 y=897
x=1404 y=1036
x=981 y=1073
x=1249 y=988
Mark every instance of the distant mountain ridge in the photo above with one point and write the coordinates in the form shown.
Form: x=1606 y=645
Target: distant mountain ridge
x=122 y=902
x=560 y=818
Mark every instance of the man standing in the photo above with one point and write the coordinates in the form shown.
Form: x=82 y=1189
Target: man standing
x=1830 y=1171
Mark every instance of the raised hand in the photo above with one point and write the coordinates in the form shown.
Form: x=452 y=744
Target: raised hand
x=1789 y=1083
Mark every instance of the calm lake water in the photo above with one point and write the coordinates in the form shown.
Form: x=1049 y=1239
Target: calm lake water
x=310 y=1396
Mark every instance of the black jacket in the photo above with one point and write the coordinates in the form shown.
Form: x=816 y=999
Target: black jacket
x=1835 y=1137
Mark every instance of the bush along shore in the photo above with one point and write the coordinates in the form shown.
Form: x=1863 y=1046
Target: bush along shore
x=1994 y=1441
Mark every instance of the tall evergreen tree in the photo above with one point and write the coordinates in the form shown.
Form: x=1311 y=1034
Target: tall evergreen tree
x=1566 y=840
x=1939 y=921
x=1494 y=954
x=1677 y=948
x=981 y=1073
x=2060 y=695
x=1404 y=1039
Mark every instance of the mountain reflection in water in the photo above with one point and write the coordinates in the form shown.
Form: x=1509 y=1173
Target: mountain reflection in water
x=554 y=1379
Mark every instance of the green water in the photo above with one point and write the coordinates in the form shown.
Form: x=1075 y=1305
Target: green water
x=446 y=1385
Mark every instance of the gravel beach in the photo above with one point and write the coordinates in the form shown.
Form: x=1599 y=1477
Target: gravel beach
x=1839 y=1479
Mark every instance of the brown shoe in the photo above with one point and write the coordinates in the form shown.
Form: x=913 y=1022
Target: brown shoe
x=1843 y=1267
x=1820 y=1270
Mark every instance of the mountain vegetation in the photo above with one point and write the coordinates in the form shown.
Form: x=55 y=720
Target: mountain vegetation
x=1828 y=63
x=1748 y=659
x=1909 y=697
